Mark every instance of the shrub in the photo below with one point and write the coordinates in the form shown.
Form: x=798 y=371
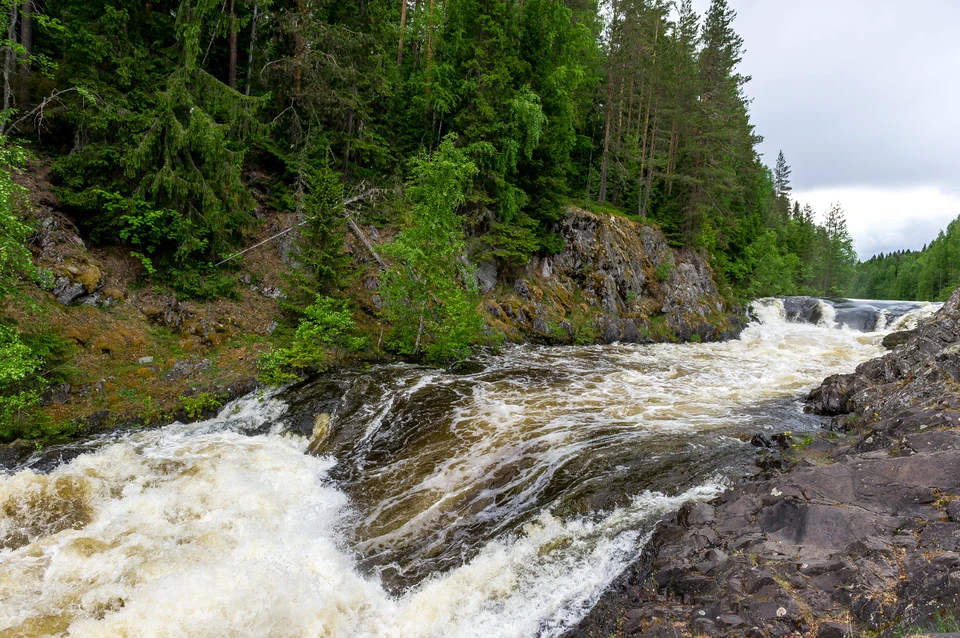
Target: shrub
x=326 y=332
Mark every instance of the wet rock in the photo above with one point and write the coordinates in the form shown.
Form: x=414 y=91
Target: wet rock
x=761 y=440
x=869 y=532
x=895 y=339
x=803 y=309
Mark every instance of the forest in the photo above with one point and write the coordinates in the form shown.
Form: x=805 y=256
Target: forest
x=929 y=274
x=169 y=123
x=153 y=112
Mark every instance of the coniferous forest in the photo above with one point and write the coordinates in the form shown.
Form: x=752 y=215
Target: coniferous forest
x=467 y=127
x=155 y=112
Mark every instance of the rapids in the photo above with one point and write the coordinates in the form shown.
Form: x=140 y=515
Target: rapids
x=498 y=498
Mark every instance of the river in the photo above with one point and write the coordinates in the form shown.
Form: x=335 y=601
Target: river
x=497 y=498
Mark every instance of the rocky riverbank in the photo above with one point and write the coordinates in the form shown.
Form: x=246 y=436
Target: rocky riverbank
x=856 y=532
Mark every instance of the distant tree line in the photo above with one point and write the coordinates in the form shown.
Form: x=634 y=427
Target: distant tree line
x=929 y=274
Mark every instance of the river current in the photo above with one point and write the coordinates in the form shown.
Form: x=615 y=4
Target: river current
x=498 y=498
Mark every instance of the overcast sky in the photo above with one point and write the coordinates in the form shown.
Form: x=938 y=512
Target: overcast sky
x=863 y=97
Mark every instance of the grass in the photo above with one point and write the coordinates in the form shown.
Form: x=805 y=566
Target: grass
x=943 y=625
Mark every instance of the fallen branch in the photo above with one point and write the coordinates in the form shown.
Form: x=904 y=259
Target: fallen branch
x=39 y=109
x=354 y=228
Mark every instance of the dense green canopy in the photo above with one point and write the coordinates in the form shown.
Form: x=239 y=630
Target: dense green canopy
x=155 y=111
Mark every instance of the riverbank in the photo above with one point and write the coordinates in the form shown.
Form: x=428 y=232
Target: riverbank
x=855 y=531
x=133 y=353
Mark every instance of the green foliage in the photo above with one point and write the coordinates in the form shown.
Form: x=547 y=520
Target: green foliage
x=18 y=395
x=326 y=332
x=15 y=259
x=29 y=362
x=666 y=267
x=197 y=406
x=930 y=274
x=320 y=257
x=429 y=295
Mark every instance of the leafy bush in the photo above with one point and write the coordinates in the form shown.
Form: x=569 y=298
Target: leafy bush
x=18 y=369
x=197 y=406
x=665 y=268
x=15 y=260
x=326 y=332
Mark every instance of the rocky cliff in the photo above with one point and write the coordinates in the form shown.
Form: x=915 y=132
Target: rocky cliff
x=861 y=535
x=616 y=280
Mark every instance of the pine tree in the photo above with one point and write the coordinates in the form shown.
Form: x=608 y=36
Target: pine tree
x=782 y=177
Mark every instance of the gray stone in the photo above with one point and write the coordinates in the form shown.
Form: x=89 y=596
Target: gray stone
x=522 y=289
x=65 y=291
x=486 y=274
x=953 y=511
x=56 y=394
x=835 y=630
x=180 y=369
x=145 y=360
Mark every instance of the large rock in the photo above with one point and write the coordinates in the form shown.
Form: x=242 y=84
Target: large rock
x=921 y=372
x=860 y=535
x=615 y=280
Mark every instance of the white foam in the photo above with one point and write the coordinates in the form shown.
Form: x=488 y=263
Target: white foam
x=217 y=534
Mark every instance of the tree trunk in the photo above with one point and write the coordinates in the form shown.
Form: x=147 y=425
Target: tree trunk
x=605 y=162
x=403 y=26
x=299 y=48
x=26 y=39
x=253 y=41
x=232 y=74
x=351 y=115
x=646 y=190
x=9 y=62
x=429 y=48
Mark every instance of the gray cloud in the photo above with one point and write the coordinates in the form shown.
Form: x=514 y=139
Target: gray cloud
x=862 y=97
x=859 y=92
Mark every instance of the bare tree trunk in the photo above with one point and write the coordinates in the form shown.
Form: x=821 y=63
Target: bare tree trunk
x=26 y=39
x=403 y=26
x=253 y=40
x=605 y=162
x=350 y=117
x=232 y=74
x=646 y=190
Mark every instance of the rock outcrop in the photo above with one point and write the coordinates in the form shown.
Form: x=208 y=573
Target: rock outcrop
x=616 y=280
x=860 y=534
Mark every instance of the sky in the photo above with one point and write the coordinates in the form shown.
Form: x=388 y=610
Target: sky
x=863 y=98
